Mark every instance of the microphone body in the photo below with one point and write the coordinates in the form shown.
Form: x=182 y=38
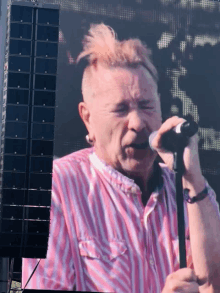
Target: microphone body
x=176 y=137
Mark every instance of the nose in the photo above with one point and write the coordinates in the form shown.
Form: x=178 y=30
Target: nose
x=136 y=121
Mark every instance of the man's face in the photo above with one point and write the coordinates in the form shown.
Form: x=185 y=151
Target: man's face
x=123 y=113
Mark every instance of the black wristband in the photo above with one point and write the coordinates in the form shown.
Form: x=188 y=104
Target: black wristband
x=196 y=198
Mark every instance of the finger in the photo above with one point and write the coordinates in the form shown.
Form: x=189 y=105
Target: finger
x=166 y=126
x=170 y=123
x=185 y=274
x=185 y=287
x=193 y=140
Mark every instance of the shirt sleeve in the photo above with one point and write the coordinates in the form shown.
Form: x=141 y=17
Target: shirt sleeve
x=56 y=272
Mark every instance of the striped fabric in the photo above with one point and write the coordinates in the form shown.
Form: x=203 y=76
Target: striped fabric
x=102 y=238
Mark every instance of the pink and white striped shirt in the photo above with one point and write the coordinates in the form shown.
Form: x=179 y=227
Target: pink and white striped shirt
x=102 y=238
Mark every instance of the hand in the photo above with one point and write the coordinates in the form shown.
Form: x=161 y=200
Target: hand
x=193 y=174
x=181 y=281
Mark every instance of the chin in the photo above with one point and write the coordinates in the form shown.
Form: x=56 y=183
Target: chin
x=139 y=166
x=135 y=167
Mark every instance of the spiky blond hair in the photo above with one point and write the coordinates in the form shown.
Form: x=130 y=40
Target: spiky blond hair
x=101 y=46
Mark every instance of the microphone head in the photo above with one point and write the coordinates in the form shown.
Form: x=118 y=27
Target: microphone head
x=151 y=138
x=177 y=137
x=189 y=128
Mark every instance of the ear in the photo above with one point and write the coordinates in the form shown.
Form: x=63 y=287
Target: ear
x=84 y=113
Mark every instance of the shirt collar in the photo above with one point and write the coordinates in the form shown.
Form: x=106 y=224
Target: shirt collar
x=121 y=181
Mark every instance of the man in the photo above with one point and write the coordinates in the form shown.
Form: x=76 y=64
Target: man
x=113 y=215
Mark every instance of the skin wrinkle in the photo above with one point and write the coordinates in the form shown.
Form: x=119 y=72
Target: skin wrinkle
x=114 y=129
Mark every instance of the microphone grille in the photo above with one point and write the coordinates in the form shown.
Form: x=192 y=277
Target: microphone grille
x=189 y=128
x=151 y=138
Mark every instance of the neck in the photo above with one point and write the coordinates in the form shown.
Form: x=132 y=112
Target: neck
x=143 y=181
x=148 y=185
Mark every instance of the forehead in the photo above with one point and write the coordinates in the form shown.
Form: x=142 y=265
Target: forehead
x=123 y=82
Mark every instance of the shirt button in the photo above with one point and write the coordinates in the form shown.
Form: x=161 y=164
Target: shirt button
x=105 y=257
x=133 y=189
x=151 y=261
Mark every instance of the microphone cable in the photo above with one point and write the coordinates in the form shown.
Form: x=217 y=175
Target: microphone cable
x=22 y=290
x=31 y=276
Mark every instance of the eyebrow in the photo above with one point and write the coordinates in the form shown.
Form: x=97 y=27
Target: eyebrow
x=120 y=104
x=143 y=101
x=140 y=101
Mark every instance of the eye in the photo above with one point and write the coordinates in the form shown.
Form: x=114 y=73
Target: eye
x=146 y=105
x=121 y=109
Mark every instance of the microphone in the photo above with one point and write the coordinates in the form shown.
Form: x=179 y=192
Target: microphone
x=176 y=137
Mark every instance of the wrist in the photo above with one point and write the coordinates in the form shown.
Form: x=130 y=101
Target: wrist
x=200 y=196
x=194 y=186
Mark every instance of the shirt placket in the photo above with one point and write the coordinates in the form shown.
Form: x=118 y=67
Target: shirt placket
x=137 y=203
x=152 y=279
x=148 y=210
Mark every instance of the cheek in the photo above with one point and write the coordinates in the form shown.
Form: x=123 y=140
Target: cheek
x=158 y=109
x=113 y=140
x=99 y=125
x=109 y=131
x=156 y=123
x=157 y=117
x=104 y=133
x=119 y=130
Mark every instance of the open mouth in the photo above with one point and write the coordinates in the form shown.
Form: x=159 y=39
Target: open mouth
x=140 y=146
